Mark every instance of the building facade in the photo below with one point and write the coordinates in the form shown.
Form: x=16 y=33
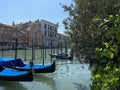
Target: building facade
x=40 y=34
x=32 y=30
x=8 y=37
x=49 y=32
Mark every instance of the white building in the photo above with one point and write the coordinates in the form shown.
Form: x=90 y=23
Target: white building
x=50 y=32
x=44 y=33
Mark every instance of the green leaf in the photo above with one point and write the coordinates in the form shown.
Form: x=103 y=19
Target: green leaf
x=111 y=55
x=107 y=45
x=97 y=76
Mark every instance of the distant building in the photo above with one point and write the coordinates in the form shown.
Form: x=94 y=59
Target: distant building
x=49 y=31
x=43 y=33
x=33 y=33
x=63 y=41
x=8 y=38
x=40 y=34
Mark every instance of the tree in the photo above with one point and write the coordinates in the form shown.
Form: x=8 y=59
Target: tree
x=81 y=13
x=106 y=76
x=95 y=26
x=83 y=24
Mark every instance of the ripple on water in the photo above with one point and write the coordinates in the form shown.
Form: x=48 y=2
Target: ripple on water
x=69 y=75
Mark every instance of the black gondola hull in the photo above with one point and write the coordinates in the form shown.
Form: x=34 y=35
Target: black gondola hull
x=27 y=77
x=47 y=69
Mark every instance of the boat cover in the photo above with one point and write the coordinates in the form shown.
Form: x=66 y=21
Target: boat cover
x=12 y=72
x=10 y=62
x=36 y=66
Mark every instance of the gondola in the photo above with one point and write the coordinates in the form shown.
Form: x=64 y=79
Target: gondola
x=8 y=74
x=37 y=68
x=61 y=56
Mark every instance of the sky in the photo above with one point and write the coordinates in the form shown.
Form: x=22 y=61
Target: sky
x=21 y=11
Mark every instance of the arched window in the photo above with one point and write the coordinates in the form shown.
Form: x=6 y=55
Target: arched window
x=45 y=33
x=45 y=26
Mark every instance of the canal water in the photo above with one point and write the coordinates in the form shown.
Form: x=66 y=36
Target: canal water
x=69 y=74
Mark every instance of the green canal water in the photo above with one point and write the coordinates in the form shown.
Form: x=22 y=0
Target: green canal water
x=69 y=75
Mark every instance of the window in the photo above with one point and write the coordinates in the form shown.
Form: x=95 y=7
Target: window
x=55 y=34
x=55 y=29
x=45 y=26
x=45 y=33
x=48 y=33
x=48 y=26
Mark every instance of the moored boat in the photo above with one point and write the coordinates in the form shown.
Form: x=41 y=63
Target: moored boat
x=19 y=65
x=61 y=56
x=8 y=74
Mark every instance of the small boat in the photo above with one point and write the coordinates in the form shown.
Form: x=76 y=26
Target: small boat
x=37 y=68
x=8 y=74
x=61 y=56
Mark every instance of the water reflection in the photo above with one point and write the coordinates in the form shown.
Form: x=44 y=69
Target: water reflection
x=80 y=86
x=45 y=79
x=69 y=75
x=9 y=85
